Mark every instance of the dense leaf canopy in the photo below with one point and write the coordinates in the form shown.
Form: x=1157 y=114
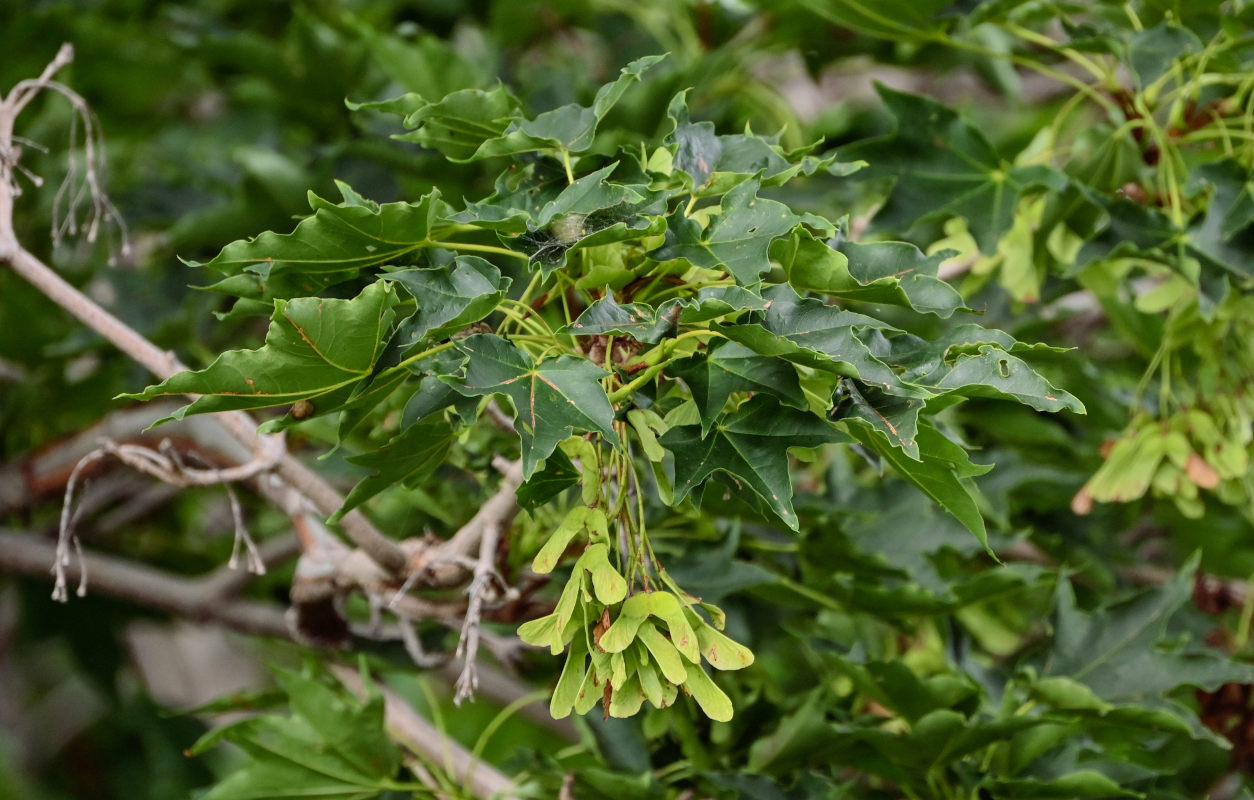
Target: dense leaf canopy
x=853 y=442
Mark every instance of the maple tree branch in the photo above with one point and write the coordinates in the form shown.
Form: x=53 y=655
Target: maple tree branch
x=179 y=595
x=413 y=731
x=240 y=425
x=268 y=452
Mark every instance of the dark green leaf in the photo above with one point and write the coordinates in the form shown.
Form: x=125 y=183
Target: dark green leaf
x=1124 y=652
x=751 y=447
x=552 y=398
x=730 y=368
x=449 y=298
x=943 y=166
x=314 y=347
x=895 y=418
x=940 y=471
x=640 y=321
x=813 y=334
x=409 y=458
x=557 y=475
x=737 y=240
x=715 y=164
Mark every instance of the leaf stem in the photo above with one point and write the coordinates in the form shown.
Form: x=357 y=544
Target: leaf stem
x=665 y=349
x=439 y=348
x=471 y=247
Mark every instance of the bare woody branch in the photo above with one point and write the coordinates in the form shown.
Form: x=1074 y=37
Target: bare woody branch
x=162 y=364
x=174 y=594
x=413 y=731
x=207 y=599
x=267 y=451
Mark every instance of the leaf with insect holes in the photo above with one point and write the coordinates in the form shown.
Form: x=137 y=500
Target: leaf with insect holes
x=971 y=361
x=314 y=347
x=942 y=165
x=751 y=447
x=737 y=240
x=331 y=246
x=552 y=398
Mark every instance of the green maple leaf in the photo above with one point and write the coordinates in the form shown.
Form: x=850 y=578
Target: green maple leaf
x=893 y=273
x=639 y=321
x=589 y=212
x=316 y=349
x=751 y=447
x=895 y=418
x=333 y=245
x=811 y=333
x=517 y=197
x=737 y=240
x=449 y=297
x=732 y=367
x=714 y=164
x=457 y=125
x=333 y=745
x=943 y=166
x=1126 y=652
x=553 y=398
x=538 y=214
x=647 y=324
x=971 y=361
x=939 y=468
x=571 y=127
x=409 y=458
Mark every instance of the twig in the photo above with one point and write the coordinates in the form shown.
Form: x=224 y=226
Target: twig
x=163 y=364
x=409 y=728
x=266 y=451
x=175 y=594
x=204 y=600
x=499 y=511
x=480 y=586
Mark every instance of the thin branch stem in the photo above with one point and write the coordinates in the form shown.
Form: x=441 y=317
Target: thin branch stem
x=240 y=425
x=175 y=594
x=413 y=731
